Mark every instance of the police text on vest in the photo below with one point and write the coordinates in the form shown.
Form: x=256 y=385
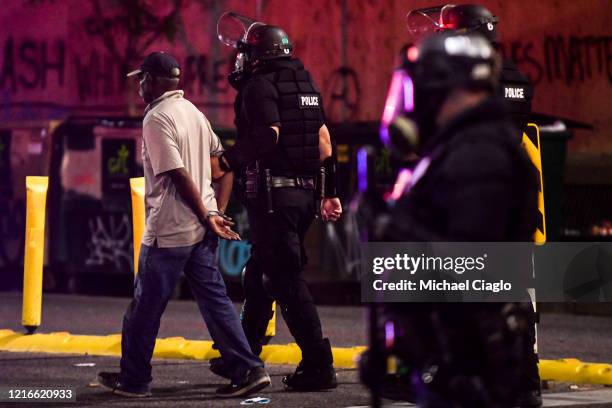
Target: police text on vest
x=514 y=93
x=309 y=101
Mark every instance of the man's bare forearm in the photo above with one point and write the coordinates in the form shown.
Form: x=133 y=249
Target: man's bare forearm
x=226 y=183
x=188 y=191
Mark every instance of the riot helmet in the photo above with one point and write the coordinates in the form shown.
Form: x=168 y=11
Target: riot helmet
x=469 y=18
x=461 y=17
x=438 y=65
x=451 y=60
x=265 y=42
x=255 y=41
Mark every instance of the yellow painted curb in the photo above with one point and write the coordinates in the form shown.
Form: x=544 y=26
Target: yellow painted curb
x=576 y=371
x=173 y=347
x=567 y=370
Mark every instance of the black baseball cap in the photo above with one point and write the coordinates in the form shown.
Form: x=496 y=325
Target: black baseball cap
x=159 y=64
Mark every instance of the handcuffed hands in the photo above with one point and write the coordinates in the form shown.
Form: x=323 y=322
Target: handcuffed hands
x=221 y=226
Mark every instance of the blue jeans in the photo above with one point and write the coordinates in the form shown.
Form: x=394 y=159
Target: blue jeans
x=159 y=270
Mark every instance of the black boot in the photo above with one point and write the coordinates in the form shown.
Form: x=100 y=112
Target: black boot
x=530 y=385
x=530 y=399
x=315 y=372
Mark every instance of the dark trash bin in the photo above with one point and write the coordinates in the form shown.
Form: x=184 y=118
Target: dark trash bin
x=554 y=153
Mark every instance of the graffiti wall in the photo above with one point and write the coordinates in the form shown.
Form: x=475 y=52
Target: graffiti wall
x=24 y=151
x=58 y=57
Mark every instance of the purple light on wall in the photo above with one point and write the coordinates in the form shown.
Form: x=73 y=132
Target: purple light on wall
x=362 y=169
x=389 y=334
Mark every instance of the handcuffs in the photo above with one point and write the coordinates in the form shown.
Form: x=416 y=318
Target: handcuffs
x=212 y=213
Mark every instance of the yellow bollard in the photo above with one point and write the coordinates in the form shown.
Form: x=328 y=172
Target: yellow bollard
x=271 y=329
x=137 y=186
x=36 y=188
x=531 y=144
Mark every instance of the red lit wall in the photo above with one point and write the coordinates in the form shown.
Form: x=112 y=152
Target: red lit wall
x=54 y=60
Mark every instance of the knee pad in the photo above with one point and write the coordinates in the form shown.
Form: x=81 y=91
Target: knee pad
x=253 y=272
x=287 y=290
x=276 y=288
x=251 y=280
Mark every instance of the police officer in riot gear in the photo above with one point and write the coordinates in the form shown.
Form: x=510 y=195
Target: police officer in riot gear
x=517 y=93
x=285 y=155
x=472 y=183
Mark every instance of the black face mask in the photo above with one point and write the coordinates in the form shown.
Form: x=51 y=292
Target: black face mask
x=237 y=79
x=427 y=104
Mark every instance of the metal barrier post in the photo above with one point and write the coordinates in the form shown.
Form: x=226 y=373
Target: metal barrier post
x=137 y=186
x=531 y=144
x=36 y=188
x=271 y=329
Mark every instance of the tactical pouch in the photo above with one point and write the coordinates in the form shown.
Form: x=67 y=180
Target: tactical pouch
x=268 y=187
x=320 y=191
x=252 y=183
x=257 y=184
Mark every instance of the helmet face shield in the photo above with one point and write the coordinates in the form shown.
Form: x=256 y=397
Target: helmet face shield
x=233 y=28
x=434 y=68
x=425 y=21
x=400 y=100
x=398 y=132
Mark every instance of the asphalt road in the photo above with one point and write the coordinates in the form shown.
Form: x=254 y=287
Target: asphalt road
x=188 y=383
x=177 y=383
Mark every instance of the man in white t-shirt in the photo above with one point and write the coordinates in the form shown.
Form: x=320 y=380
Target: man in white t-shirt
x=183 y=223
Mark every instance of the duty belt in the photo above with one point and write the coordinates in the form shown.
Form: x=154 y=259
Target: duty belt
x=307 y=183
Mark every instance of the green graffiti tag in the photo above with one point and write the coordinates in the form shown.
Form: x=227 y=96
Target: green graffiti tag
x=118 y=165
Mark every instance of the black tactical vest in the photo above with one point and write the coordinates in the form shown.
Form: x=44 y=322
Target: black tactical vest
x=517 y=92
x=300 y=108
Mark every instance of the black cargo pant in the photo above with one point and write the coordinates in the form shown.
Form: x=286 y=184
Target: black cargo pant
x=274 y=272
x=478 y=362
x=531 y=380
